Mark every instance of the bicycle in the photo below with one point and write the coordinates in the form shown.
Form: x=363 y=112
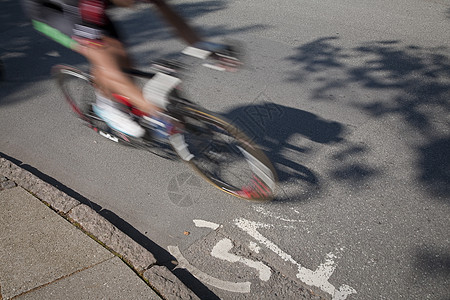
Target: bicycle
x=211 y=145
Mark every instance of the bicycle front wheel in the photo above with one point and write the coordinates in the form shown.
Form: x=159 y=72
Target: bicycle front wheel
x=226 y=157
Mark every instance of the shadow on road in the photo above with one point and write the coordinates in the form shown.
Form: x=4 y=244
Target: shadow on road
x=433 y=263
x=413 y=84
x=273 y=126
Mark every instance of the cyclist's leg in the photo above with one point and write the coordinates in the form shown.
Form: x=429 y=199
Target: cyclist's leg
x=106 y=64
x=108 y=60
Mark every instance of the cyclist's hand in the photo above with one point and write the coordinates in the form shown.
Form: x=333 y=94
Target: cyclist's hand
x=228 y=56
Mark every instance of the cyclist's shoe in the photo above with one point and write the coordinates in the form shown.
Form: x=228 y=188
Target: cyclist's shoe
x=118 y=120
x=179 y=144
x=222 y=57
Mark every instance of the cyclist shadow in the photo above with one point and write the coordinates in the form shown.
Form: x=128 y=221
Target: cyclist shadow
x=288 y=136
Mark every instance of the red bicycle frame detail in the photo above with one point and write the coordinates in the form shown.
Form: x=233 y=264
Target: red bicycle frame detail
x=126 y=101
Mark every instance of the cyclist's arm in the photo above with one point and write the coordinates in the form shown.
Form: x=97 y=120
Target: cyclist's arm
x=182 y=28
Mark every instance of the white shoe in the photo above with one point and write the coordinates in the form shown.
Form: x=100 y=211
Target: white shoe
x=118 y=120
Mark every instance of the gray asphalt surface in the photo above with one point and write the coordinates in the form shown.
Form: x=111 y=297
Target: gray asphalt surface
x=350 y=100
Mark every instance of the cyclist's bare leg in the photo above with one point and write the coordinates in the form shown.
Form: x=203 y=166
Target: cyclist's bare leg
x=106 y=67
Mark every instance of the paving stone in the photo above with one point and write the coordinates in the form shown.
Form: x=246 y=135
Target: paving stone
x=111 y=279
x=37 y=246
x=168 y=285
x=112 y=237
x=44 y=191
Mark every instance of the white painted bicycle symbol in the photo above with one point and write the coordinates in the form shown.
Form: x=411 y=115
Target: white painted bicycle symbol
x=318 y=278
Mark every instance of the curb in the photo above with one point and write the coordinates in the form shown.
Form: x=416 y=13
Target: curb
x=159 y=278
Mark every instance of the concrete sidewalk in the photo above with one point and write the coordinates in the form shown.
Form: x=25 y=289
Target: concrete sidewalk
x=54 y=247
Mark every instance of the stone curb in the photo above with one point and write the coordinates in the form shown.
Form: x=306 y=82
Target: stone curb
x=137 y=257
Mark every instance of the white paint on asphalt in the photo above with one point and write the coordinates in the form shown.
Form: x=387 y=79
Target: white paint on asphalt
x=318 y=278
x=206 y=224
x=254 y=247
x=222 y=251
x=260 y=209
x=238 y=287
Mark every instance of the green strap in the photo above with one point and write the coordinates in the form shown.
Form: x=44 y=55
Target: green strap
x=55 y=34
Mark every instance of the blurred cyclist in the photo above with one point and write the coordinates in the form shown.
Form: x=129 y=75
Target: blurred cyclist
x=83 y=26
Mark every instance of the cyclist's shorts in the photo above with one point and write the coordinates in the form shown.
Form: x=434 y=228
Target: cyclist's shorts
x=68 y=21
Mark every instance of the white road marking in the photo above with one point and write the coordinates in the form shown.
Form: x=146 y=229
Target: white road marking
x=206 y=224
x=254 y=247
x=318 y=278
x=239 y=287
x=222 y=251
x=260 y=209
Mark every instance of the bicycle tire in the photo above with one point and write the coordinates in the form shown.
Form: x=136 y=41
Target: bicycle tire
x=217 y=147
x=78 y=90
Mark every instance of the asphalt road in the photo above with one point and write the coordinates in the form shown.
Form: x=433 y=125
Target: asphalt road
x=349 y=98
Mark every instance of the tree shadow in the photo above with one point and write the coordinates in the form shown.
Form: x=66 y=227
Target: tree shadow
x=28 y=56
x=432 y=264
x=414 y=87
x=349 y=166
x=434 y=163
x=9 y=14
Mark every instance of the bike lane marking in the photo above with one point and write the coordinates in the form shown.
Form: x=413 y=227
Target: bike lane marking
x=239 y=287
x=260 y=209
x=206 y=224
x=318 y=278
x=222 y=251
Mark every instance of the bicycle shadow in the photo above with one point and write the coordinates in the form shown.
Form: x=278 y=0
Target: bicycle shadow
x=288 y=136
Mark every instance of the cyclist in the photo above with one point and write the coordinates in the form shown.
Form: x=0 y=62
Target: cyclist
x=84 y=26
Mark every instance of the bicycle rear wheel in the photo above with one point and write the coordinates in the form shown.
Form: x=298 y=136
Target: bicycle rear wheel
x=226 y=157
x=78 y=90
